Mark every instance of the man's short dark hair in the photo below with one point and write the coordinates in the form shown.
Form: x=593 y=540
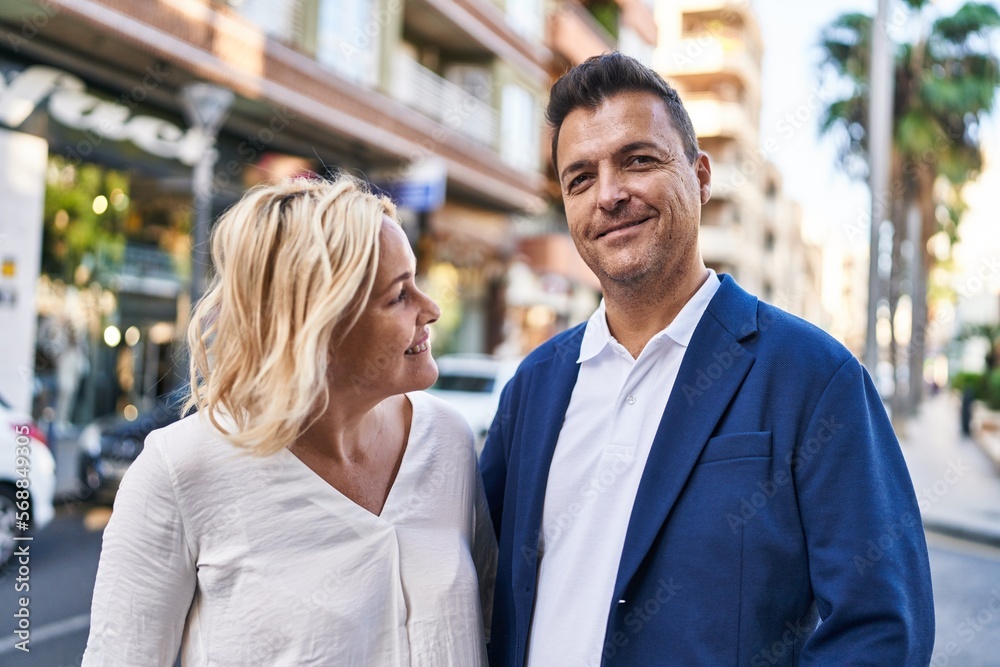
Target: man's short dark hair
x=601 y=77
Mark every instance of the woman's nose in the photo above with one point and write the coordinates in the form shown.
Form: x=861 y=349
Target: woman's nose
x=431 y=311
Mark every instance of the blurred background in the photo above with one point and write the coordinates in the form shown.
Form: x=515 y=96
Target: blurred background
x=127 y=126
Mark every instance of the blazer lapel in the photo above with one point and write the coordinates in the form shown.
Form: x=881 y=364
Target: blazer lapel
x=697 y=401
x=548 y=396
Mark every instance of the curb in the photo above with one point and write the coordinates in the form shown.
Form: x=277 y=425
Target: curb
x=962 y=530
x=986 y=432
x=990 y=444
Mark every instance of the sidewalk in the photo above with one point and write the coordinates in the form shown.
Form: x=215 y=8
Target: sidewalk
x=957 y=485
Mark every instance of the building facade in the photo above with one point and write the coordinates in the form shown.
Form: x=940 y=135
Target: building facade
x=550 y=287
x=438 y=102
x=710 y=50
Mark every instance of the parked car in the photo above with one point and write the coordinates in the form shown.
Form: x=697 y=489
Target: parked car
x=472 y=383
x=109 y=445
x=23 y=455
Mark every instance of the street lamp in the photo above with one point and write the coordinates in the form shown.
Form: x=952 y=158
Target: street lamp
x=205 y=107
x=880 y=165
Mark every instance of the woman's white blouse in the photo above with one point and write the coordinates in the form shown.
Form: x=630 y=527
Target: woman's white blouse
x=243 y=560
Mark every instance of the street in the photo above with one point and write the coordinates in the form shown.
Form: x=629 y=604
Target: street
x=966 y=602
x=64 y=562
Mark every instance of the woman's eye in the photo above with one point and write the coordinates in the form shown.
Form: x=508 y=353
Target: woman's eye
x=403 y=295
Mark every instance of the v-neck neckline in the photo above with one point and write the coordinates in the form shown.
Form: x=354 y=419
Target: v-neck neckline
x=403 y=459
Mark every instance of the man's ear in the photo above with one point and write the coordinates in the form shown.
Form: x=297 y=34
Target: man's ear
x=703 y=170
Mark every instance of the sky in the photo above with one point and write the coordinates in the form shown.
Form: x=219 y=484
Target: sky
x=835 y=208
x=792 y=103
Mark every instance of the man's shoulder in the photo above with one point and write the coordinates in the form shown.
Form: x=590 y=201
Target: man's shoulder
x=780 y=323
x=564 y=347
x=557 y=354
x=787 y=338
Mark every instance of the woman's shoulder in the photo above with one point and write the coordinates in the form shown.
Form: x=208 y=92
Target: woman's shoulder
x=444 y=420
x=191 y=443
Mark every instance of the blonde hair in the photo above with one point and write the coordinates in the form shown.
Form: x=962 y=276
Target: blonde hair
x=294 y=260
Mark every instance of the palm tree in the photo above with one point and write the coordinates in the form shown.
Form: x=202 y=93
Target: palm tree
x=946 y=79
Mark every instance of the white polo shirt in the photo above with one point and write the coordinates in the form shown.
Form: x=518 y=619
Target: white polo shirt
x=602 y=449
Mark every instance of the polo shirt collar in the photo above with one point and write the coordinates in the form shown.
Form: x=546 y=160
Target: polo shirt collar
x=597 y=336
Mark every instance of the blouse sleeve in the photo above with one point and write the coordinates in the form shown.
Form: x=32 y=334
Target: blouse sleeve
x=146 y=577
x=484 y=552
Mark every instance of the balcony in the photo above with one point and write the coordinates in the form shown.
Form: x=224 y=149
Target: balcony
x=638 y=15
x=739 y=7
x=721 y=244
x=713 y=117
x=728 y=181
x=575 y=34
x=712 y=54
x=443 y=101
x=480 y=27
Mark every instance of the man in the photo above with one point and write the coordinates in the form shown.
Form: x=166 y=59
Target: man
x=693 y=477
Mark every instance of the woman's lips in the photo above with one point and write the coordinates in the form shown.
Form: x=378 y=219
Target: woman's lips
x=420 y=347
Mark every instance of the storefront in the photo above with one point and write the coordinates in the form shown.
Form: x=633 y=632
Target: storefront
x=96 y=281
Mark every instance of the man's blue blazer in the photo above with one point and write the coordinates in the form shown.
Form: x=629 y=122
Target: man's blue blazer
x=775 y=522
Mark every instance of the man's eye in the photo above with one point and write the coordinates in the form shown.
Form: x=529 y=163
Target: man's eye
x=641 y=159
x=576 y=181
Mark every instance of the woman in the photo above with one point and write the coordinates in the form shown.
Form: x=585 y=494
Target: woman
x=314 y=510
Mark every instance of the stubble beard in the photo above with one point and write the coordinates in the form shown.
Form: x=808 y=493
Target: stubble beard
x=650 y=280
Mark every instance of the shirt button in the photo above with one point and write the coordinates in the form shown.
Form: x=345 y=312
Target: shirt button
x=630 y=399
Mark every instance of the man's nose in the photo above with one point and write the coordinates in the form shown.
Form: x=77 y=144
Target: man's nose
x=611 y=190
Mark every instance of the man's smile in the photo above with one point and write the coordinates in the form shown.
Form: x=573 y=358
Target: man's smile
x=621 y=227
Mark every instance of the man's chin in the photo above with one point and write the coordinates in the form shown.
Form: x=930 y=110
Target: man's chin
x=623 y=277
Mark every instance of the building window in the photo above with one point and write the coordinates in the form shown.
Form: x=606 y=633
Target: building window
x=519 y=129
x=525 y=17
x=347 y=39
x=283 y=20
x=631 y=44
x=473 y=79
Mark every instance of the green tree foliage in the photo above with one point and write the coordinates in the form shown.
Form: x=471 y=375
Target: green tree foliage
x=74 y=234
x=946 y=75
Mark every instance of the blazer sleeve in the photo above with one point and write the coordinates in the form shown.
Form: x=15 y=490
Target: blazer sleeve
x=496 y=453
x=484 y=552
x=868 y=562
x=146 y=577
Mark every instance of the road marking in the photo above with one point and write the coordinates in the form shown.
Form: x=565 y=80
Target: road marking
x=66 y=626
